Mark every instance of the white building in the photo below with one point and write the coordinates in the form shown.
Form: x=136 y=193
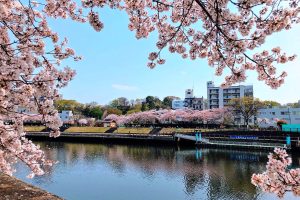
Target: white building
x=189 y=93
x=218 y=97
x=178 y=104
x=269 y=116
x=190 y=101
x=66 y=115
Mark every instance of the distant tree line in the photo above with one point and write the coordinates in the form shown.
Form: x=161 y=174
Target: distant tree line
x=123 y=106
x=118 y=106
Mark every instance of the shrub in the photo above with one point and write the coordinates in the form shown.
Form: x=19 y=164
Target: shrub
x=280 y=123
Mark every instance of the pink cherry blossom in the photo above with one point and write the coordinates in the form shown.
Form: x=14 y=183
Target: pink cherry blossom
x=215 y=116
x=278 y=178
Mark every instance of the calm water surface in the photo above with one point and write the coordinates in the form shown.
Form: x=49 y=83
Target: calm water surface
x=130 y=172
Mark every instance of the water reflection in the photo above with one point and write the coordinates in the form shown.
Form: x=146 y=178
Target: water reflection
x=98 y=171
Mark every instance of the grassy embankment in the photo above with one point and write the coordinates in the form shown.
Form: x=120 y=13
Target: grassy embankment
x=123 y=130
x=34 y=128
x=86 y=129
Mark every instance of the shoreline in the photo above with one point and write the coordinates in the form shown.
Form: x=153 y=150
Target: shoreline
x=104 y=138
x=158 y=139
x=12 y=188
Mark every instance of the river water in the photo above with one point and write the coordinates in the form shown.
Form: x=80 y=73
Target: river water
x=131 y=172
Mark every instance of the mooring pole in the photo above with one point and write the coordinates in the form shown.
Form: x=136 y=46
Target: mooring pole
x=288 y=141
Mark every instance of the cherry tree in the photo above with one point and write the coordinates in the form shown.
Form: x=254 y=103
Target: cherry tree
x=82 y=122
x=266 y=123
x=166 y=116
x=114 y=117
x=32 y=118
x=30 y=77
x=277 y=178
x=228 y=33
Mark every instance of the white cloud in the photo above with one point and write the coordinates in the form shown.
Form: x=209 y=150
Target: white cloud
x=124 y=87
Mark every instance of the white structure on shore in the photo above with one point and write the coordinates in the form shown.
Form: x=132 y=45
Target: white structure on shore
x=66 y=115
x=269 y=116
x=218 y=97
x=178 y=104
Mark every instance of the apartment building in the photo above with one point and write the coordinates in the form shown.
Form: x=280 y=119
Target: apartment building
x=269 y=116
x=218 y=97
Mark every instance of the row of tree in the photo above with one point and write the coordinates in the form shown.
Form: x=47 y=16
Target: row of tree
x=92 y=109
x=149 y=103
x=246 y=107
x=168 y=116
x=117 y=106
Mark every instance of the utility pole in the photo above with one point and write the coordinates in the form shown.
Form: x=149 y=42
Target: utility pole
x=289 y=115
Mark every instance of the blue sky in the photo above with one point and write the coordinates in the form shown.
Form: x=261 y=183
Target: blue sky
x=115 y=64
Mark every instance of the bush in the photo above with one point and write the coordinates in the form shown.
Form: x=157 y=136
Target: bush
x=280 y=123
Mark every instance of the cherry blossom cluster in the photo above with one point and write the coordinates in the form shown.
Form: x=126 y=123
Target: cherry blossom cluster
x=86 y=121
x=266 y=121
x=228 y=33
x=170 y=116
x=30 y=76
x=278 y=178
x=225 y=32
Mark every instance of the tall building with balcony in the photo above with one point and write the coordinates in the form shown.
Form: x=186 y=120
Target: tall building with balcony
x=218 y=97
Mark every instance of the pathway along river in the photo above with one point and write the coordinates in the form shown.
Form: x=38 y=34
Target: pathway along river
x=131 y=172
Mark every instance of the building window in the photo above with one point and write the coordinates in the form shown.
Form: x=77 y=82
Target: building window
x=284 y=113
x=296 y=112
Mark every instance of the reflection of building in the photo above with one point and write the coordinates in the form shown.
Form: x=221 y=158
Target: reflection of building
x=218 y=97
x=190 y=102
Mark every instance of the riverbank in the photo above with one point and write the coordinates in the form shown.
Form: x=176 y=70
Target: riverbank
x=14 y=189
x=104 y=137
x=259 y=139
